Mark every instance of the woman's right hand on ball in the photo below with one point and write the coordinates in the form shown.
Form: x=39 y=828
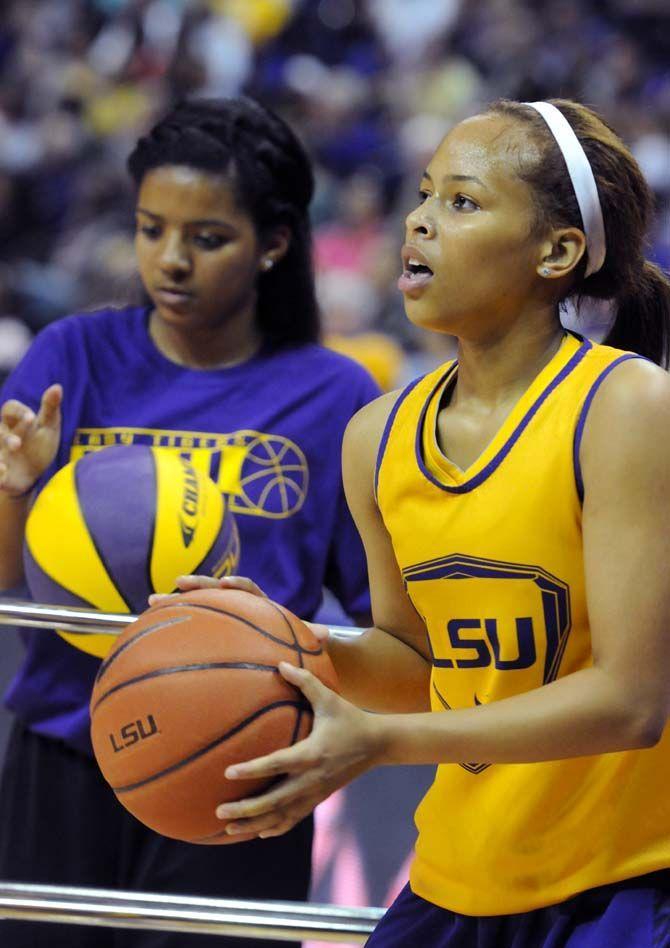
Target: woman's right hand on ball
x=189 y=583
x=28 y=441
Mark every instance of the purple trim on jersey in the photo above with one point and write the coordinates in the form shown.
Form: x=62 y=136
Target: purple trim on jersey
x=579 y=430
x=115 y=532
x=387 y=428
x=495 y=462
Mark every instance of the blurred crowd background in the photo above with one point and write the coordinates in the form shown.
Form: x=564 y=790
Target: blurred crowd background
x=370 y=86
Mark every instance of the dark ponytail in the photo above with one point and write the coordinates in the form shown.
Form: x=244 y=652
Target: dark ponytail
x=643 y=315
x=639 y=290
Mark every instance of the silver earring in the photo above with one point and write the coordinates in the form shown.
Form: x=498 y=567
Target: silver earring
x=268 y=263
x=545 y=271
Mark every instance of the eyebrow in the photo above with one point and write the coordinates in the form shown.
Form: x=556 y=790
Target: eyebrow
x=205 y=222
x=459 y=177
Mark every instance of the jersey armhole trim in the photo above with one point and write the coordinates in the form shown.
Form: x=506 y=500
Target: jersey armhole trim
x=583 y=414
x=387 y=431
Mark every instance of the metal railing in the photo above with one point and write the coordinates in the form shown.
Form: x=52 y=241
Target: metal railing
x=275 y=921
x=21 y=612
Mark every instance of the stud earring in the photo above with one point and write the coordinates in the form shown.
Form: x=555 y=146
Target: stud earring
x=267 y=263
x=545 y=271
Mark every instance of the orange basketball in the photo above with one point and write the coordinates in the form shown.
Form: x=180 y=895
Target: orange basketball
x=191 y=687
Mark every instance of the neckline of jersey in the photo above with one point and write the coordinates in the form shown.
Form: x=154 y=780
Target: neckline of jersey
x=206 y=376
x=443 y=473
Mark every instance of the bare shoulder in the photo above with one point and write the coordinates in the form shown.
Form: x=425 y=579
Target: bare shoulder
x=635 y=389
x=359 y=452
x=629 y=418
x=365 y=428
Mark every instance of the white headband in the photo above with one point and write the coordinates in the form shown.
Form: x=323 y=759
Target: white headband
x=583 y=183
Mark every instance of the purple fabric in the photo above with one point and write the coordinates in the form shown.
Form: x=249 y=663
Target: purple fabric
x=630 y=914
x=114 y=377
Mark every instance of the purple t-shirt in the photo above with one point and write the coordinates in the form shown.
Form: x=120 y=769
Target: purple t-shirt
x=293 y=404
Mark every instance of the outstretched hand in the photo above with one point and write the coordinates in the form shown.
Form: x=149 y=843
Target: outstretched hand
x=28 y=441
x=344 y=743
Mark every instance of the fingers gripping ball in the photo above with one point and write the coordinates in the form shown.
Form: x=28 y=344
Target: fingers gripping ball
x=121 y=523
x=191 y=687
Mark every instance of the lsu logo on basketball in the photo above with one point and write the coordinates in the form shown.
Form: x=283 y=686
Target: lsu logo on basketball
x=133 y=732
x=188 y=516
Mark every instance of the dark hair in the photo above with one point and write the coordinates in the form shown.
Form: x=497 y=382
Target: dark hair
x=640 y=289
x=272 y=180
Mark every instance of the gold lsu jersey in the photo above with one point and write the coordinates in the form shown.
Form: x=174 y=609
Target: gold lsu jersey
x=492 y=560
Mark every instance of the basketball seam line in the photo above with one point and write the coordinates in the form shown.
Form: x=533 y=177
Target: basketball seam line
x=294 y=647
x=104 y=668
x=286 y=619
x=296 y=727
x=176 y=669
x=296 y=730
x=209 y=747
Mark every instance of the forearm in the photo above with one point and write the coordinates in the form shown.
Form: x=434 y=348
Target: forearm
x=379 y=672
x=584 y=713
x=13 y=515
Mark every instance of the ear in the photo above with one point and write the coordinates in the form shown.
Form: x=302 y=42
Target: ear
x=561 y=252
x=275 y=246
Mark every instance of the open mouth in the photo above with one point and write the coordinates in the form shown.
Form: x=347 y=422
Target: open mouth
x=414 y=268
x=415 y=275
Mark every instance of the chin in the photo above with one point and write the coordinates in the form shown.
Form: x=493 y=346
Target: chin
x=178 y=316
x=427 y=315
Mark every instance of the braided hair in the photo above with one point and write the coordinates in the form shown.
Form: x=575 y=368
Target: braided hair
x=640 y=290
x=271 y=179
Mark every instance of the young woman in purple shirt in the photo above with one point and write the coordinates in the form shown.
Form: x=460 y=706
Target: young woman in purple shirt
x=224 y=357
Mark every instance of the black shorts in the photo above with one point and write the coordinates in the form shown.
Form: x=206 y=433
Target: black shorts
x=60 y=824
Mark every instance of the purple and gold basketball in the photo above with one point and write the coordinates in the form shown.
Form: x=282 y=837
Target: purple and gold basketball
x=121 y=523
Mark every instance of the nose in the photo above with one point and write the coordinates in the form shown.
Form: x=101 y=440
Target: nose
x=420 y=221
x=174 y=258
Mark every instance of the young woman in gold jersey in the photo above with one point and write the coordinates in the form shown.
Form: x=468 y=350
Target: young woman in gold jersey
x=515 y=509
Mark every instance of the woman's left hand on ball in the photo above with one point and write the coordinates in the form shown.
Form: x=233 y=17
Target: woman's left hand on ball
x=344 y=742
x=189 y=583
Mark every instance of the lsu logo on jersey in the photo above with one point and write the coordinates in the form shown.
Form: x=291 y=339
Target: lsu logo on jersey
x=265 y=475
x=496 y=629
